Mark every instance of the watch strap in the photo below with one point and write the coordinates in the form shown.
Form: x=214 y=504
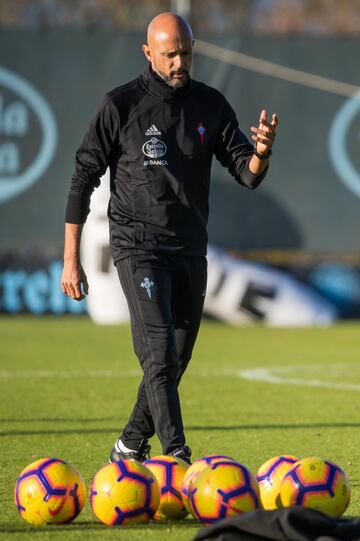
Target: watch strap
x=264 y=156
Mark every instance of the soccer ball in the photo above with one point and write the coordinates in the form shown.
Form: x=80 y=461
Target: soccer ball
x=124 y=492
x=269 y=477
x=169 y=472
x=317 y=483
x=49 y=491
x=192 y=473
x=222 y=490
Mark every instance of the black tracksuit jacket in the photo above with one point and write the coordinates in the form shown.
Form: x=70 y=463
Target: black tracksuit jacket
x=159 y=143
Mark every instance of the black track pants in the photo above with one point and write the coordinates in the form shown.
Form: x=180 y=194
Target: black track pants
x=165 y=295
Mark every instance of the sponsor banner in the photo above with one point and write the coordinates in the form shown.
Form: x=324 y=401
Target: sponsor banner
x=334 y=279
x=30 y=283
x=242 y=292
x=239 y=291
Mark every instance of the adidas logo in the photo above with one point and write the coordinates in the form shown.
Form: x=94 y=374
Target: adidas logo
x=153 y=130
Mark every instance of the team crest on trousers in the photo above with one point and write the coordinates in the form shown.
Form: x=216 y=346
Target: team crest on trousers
x=147 y=284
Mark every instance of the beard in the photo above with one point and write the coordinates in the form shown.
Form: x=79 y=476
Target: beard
x=170 y=81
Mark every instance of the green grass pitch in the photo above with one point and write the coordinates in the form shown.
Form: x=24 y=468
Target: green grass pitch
x=67 y=387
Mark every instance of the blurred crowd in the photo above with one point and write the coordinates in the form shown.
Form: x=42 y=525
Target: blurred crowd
x=317 y=17
x=123 y=14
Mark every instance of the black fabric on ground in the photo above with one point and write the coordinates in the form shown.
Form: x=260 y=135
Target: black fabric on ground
x=290 y=524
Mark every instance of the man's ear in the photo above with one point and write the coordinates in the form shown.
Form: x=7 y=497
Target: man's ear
x=147 y=52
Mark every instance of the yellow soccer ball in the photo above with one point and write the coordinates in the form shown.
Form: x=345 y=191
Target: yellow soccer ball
x=269 y=477
x=222 y=490
x=316 y=483
x=123 y=493
x=193 y=471
x=49 y=491
x=169 y=472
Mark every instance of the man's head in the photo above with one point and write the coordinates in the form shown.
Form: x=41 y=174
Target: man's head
x=169 y=48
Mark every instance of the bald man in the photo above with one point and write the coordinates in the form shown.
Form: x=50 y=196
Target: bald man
x=158 y=135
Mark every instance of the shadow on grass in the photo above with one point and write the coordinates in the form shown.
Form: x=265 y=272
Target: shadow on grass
x=93 y=525
x=61 y=420
x=188 y=428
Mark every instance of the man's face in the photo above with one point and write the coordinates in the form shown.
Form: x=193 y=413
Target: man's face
x=171 y=58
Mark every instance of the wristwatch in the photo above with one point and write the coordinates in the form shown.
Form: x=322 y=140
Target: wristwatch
x=264 y=156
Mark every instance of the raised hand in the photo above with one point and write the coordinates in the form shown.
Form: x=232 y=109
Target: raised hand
x=264 y=135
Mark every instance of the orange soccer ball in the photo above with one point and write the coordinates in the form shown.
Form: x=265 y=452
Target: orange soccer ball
x=49 y=491
x=169 y=472
x=123 y=493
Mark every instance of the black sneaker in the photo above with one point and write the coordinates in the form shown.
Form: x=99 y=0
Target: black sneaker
x=142 y=454
x=182 y=452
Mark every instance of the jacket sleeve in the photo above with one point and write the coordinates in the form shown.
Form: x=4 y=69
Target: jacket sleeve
x=234 y=151
x=92 y=159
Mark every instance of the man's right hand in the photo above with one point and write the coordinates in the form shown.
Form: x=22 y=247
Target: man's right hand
x=73 y=281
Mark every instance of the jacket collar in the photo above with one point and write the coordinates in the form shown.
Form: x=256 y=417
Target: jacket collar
x=157 y=87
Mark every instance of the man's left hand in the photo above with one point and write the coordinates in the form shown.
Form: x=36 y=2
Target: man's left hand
x=264 y=135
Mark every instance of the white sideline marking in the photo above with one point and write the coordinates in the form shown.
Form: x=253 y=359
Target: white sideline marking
x=278 y=375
